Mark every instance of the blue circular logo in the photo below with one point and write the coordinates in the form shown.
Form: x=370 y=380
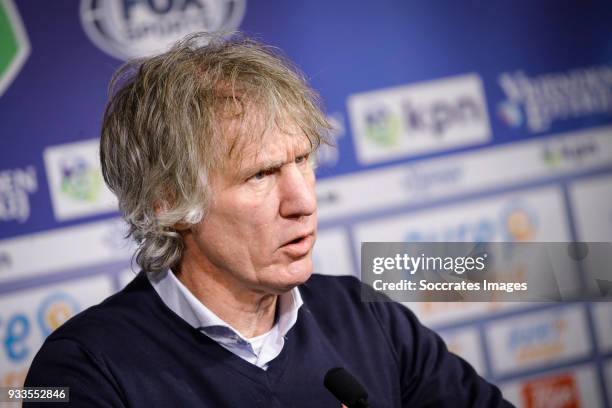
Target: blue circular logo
x=136 y=28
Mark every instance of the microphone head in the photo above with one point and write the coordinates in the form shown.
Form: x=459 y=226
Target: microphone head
x=346 y=388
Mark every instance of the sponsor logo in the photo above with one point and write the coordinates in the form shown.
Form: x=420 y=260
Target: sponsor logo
x=539 y=341
x=558 y=391
x=27 y=318
x=14 y=44
x=516 y=222
x=18 y=332
x=423 y=178
x=54 y=310
x=75 y=180
x=17 y=328
x=560 y=152
x=540 y=101
x=519 y=221
x=135 y=28
x=79 y=179
x=382 y=127
x=420 y=118
x=16 y=185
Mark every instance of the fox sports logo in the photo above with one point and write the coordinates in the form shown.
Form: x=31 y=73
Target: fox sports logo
x=135 y=28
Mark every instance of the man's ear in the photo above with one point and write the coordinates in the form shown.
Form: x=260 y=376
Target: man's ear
x=182 y=226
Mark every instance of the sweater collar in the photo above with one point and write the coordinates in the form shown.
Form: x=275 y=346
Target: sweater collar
x=184 y=304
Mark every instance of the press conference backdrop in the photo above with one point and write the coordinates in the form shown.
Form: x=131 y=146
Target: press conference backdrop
x=453 y=120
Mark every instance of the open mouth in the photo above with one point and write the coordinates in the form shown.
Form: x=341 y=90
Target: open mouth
x=299 y=246
x=296 y=241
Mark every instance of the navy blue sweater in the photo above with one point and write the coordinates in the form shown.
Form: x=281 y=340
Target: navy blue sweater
x=131 y=350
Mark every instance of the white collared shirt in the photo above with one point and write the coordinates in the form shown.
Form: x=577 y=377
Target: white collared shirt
x=258 y=350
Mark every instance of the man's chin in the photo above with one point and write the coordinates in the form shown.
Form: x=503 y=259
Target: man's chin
x=293 y=275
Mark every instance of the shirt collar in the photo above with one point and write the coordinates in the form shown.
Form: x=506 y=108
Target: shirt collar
x=182 y=302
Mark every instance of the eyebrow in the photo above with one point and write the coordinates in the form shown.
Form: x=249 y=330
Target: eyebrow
x=263 y=166
x=268 y=165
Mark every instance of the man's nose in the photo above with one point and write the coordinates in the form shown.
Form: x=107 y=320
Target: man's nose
x=297 y=192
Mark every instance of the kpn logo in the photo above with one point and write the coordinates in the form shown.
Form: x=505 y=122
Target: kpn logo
x=559 y=153
x=135 y=28
x=14 y=45
x=418 y=119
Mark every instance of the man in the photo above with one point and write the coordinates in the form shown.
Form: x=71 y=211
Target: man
x=209 y=150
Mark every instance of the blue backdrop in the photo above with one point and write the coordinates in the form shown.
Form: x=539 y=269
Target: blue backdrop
x=454 y=121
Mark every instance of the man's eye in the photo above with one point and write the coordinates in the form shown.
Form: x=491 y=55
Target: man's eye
x=259 y=175
x=262 y=174
x=301 y=159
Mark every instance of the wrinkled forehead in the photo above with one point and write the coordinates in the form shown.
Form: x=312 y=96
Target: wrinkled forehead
x=256 y=135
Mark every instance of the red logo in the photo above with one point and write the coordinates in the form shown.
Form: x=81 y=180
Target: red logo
x=559 y=391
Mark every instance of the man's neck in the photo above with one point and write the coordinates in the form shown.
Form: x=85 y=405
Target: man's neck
x=251 y=313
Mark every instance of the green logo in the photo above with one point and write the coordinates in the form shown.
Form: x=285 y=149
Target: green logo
x=382 y=127
x=14 y=45
x=551 y=157
x=81 y=182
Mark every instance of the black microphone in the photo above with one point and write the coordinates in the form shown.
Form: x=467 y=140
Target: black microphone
x=346 y=388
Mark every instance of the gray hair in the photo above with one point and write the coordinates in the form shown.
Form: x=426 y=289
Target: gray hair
x=162 y=130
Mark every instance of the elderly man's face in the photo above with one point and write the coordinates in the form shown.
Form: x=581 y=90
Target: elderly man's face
x=259 y=229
